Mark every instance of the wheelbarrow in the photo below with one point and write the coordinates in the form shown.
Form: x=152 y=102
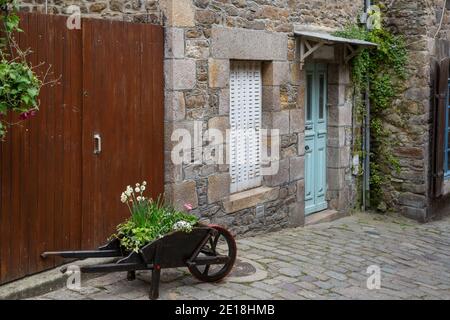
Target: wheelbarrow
x=209 y=252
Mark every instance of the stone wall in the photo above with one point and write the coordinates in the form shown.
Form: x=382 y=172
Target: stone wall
x=203 y=36
x=410 y=116
x=408 y=119
x=141 y=11
x=444 y=31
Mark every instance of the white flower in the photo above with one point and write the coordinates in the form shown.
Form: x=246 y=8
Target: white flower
x=129 y=191
x=137 y=189
x=144 y=183
x=142 y=188
x=137 y=184
x=139 y=199
x=182 y=226
x=123 y=197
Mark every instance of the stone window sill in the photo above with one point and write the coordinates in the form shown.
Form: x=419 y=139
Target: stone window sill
x=250 y=198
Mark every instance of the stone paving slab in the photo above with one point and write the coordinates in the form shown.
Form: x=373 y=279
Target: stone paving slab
x=326 y=261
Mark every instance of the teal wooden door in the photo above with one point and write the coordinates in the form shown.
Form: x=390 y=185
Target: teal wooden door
x=316 y=138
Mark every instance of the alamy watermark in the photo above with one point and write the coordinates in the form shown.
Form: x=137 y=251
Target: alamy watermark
x=374 y=280
x=74 y=280
x=74 y=20
x=218 y=148
x=372 y=17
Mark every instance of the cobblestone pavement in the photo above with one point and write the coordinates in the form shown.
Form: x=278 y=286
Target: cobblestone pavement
x=327 y=261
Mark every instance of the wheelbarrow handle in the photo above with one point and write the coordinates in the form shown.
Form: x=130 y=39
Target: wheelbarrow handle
x=83 y=254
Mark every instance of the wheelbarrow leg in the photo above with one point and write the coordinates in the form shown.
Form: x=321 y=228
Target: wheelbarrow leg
x=154 y=289
x=131 y=275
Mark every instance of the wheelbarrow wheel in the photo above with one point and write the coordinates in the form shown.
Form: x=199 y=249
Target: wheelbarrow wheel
x=222 y=244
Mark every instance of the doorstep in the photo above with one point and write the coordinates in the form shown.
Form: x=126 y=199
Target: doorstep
x=323 y=216
x=46 y=281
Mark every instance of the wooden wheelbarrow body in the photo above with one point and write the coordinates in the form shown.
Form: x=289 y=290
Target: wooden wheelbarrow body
x=177 y=249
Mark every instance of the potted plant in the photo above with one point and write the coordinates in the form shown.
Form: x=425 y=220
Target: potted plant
x=150 y=219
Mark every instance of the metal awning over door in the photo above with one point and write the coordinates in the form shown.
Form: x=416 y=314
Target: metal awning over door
x=311 y=41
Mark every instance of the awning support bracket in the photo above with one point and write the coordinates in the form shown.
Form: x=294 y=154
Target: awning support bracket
x=307 y=48
x=350 y=52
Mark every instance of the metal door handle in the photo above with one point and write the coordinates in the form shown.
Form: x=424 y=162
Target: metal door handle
x=97 y=143
x=306 y=148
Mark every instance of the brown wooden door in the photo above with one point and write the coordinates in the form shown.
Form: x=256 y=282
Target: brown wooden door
x=55 y=193
x=123 y=92
x=41 y=158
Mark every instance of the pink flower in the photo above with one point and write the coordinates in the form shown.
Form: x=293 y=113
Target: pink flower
x=188 y=206
x=27 y=114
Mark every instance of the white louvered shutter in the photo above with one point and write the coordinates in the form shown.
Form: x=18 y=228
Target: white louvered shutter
x=245 y=125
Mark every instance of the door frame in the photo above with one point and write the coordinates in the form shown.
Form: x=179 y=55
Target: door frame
x=316 y=127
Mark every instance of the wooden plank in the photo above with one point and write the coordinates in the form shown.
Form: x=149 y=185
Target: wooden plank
x=88 y=73
x=19 y=135
x=147 y=104
x=158 y=100
x=105 y=125
x=34 y=168
x=26 y=186
x=60 y=214
x=103 y=111
x=73 y=97
x=5 y=215
x=52 y=147
x=156 y=53
x=43 y=236
x=121 y=108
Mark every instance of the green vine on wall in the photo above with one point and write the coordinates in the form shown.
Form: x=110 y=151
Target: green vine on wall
x=384 y=70
x=19 y=84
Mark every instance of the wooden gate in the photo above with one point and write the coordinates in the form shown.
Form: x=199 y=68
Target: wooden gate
x=56 y=193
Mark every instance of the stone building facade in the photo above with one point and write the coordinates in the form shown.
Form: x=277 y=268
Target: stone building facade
x=204 y=38
x=411 y=116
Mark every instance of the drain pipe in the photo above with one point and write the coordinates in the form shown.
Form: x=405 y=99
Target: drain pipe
x=366 y=135
x=366 y=190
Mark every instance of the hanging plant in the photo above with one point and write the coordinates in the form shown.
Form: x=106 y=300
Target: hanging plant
x=19 y=84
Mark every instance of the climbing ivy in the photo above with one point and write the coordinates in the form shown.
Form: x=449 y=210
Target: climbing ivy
x=384 y=70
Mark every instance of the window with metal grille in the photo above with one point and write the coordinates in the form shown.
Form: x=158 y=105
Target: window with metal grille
x=245 y=125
